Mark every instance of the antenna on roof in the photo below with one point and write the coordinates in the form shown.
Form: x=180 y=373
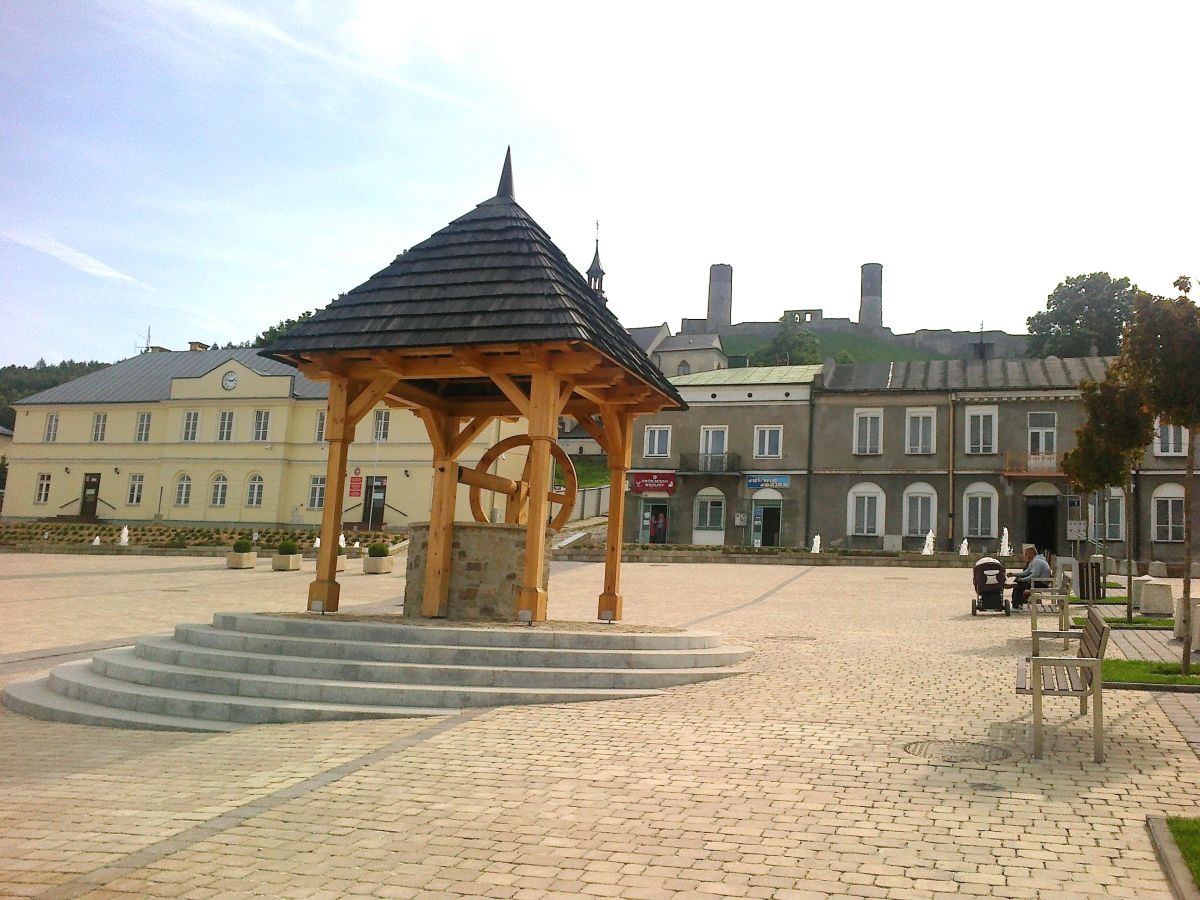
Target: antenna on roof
x=144 y=348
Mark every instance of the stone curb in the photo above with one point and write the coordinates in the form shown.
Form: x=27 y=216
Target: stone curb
x=1145 y=686
x=773 y=559
x=1179 y=876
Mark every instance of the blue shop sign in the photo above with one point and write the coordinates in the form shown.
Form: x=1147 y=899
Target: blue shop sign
x=757 y=482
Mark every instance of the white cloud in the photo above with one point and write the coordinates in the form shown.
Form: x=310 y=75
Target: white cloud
x=76 y=259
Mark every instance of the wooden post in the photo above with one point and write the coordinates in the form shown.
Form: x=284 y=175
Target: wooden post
x=442 y=433
x=543 y=410
x=620 y=446
x=324 y=592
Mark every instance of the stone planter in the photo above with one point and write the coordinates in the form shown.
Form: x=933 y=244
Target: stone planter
x=377 y=565
x=1138 y=583
x=1179 y=618
x=241 y=560
x=341 y=563
x=1156 y=599
x=286 y=562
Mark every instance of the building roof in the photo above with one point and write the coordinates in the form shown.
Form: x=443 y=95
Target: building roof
x=645 y=337
x=147 y=377
x=492 y=276
x=752 y=375
x=690 y=342
x=1051 y=373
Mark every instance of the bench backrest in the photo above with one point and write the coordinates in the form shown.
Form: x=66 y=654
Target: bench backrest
x=1095 y=638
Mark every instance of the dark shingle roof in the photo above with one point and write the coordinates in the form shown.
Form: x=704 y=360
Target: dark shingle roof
x=492 y=276
x=147 y=377
x=1051 y=373
x=690 y=342
x=645 y=336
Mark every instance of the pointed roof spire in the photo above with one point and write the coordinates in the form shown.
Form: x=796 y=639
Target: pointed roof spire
x=595 y=271
x=506 y=182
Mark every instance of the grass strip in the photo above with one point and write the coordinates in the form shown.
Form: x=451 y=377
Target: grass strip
x=1140 y=671
x=1187 y=837
x=1151 y=622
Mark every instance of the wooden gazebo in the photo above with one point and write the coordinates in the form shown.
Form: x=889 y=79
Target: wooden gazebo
x=485 y=319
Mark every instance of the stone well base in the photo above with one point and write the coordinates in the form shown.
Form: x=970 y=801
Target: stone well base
x=485 y=571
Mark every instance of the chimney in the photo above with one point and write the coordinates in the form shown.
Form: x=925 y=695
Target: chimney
x=196 y=345
x=720 y=297
x=154 y=348
x=870 y=300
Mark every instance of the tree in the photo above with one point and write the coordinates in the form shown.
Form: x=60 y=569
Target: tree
x=791 y=346
x=844 y=356
x=1084 y=314
x=1160 y=354
x=1110 y=445
x=279 y=330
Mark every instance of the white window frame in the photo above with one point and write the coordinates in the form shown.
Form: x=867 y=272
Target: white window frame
x=262 y=425
x=1042 y=431
x=191 y=427
x=913 y=491
x=319 y=432
x=316 y=492
x=648 y=442
x=99 y=427
x=759 y=432
x=137 y=484
x=865 y=489
x=1176 y=430
x=383 y=425
x=1170 y=493
x=255 y=488
x=226 y=421
x=50 y=434
x=183 y=489
x=912 y=414
x=970 y=412
x=859 y=449
x=41 y=490
x=706 y=498
x=218 y=492
x=141 y=432
x=977 y=490
x=704 y=464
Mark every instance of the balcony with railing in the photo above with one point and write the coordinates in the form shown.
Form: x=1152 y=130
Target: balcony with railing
x=1033 y=464
x=716 y=463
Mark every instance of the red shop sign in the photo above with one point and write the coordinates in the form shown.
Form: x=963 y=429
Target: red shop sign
x=653 y=481
x=355 y=485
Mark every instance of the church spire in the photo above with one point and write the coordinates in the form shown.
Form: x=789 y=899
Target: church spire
x=506 y=180
x=595 y=273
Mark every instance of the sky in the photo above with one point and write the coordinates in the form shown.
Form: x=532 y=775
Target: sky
x=204 y=169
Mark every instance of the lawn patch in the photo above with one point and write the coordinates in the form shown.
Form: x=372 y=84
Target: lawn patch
x=1187 y=837
x=1139 y=671
x=1138 y=622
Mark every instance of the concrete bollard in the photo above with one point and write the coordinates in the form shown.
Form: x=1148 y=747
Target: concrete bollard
x=1157 y=569
x=1157 y=599
x=1138 y=583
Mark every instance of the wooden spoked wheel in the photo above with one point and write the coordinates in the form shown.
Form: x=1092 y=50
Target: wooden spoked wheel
x=518 y=503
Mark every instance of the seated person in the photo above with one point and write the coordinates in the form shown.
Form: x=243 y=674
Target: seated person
x=1036 y=569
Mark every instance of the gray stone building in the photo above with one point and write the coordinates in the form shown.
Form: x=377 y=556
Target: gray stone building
x=729 y=470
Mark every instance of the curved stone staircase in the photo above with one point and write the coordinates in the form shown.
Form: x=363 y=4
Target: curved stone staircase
x=255 y=669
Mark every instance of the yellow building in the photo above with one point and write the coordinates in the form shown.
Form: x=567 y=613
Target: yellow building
x=214 y=437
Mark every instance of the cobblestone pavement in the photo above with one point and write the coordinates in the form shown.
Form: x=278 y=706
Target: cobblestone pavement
x=791 y=780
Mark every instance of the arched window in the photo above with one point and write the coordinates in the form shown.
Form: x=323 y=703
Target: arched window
x=709 y=513
x=1107 y=517
x=981 y=507
x=220 y=487
x=683 y=368
x=865 y=508
x=1166 y=513
x=254 y=491
x=920 y=509
x=183 y=490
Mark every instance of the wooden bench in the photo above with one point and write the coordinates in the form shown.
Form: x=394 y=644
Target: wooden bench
x=1048 y=598
x=1068 y=676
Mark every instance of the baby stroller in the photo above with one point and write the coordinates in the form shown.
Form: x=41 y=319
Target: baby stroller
x=988 y=577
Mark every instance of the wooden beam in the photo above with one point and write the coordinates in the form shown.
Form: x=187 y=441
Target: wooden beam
x=487 y=481
x=512 y=392
x=564 y=395
x=588 y=424
x=435 y=600
x=325 y=592
x=437 y=435
x=470 y=431
x=543 y=402
x=366 y=397
x=611 y=603
x=410 y=393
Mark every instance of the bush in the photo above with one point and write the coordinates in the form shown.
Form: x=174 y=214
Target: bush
x=241 y=545
x=176 y=544
x=377 y=550
x=341 y=551
x=288 y=548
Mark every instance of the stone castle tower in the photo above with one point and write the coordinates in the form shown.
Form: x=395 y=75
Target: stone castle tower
x=720 y=297
x=870 y=300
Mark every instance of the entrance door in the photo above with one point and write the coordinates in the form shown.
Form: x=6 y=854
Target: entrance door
x=91 y=491
x=767 y=519
x=656 y=517
x=374 y=496
x=712 y=448
x=1041 y=523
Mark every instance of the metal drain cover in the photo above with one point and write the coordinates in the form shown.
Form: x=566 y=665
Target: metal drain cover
x=956 y=751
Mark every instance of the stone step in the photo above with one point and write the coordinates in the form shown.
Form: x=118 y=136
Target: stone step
x=171 y=652
x=434 y=654
x=80 y=681
x=498 y=635
x=35 y=699
x=125 y=665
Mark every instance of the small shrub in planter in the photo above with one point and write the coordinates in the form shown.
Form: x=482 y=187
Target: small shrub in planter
x=377 y=561
x=242 y=556
x=176 y=544
x=288 y=557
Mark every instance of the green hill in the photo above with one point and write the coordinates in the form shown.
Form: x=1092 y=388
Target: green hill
x=863 y=347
